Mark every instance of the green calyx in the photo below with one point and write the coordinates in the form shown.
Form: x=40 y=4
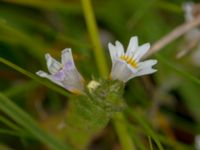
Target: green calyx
x=108 y=94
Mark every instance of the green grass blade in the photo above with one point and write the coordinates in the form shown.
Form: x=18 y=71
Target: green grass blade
x=135 y=136
x=34 y=77
x=142 y=122
x=94 y=36
x=23 y=119
x=120 y=126
x=9 y=123
x=150 y=143
x=13 y=133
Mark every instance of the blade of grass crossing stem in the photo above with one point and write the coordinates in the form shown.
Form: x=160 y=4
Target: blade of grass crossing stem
x=34 y=77
x=124 y=137
x=9 y=123
x=150 y=143
x=120 y=126
x=23 y=119
x=13 y=133
x=136 y=138
x=142 y=122
x=14 y=127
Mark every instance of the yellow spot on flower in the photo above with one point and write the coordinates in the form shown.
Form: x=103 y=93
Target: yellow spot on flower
x=129 y=60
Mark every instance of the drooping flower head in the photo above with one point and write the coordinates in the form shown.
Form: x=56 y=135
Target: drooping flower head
x=65 y=73
x=126 y=65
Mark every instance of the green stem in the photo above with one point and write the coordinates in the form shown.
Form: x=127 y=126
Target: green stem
x=94 y=36
x=121 y=128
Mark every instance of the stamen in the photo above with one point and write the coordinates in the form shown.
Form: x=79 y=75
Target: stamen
x=129 y=60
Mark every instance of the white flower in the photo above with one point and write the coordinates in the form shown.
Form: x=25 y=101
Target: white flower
x=64 y=74
x=126 y=65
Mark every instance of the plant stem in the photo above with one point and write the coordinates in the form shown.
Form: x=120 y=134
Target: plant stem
x=120 y=126
x=121 y=129
x=94 y=36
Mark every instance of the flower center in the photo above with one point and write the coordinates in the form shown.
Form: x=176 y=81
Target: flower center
x=129 y=60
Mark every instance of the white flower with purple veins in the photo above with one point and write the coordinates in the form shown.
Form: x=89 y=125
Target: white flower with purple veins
x=126 y=65
x=64 y=74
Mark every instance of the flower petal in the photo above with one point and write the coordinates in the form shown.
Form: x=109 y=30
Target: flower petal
x=112 y=51
x=120 y=71
x=67 y=58
x=119 y=48
x=133 y=45
x=145 y=71
x=45 y=75
x=59 y=76
x=144 y=68
x=147 y=63
x=141 y=51
x=52 y=64
x=73 y=81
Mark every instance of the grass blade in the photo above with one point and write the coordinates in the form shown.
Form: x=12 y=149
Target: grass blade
x=23 y=119
x=34 y=77
x=145 y=126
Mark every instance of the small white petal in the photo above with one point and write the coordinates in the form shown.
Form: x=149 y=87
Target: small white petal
x=147 y=63
x=142 y=72
x=144 y=68
x=42 y=74
x=67 y=57
x=141 y=51
x=133 y=45
x=113 y=51
x=45 y=75
x=120 y=71
x=145 y=71
x=52 y=64
x=119 y=48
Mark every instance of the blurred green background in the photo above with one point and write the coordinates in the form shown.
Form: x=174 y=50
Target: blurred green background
x=168 y=100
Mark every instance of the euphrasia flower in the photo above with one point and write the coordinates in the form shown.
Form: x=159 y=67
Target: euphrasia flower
x=126 y=65
x=65 y=73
